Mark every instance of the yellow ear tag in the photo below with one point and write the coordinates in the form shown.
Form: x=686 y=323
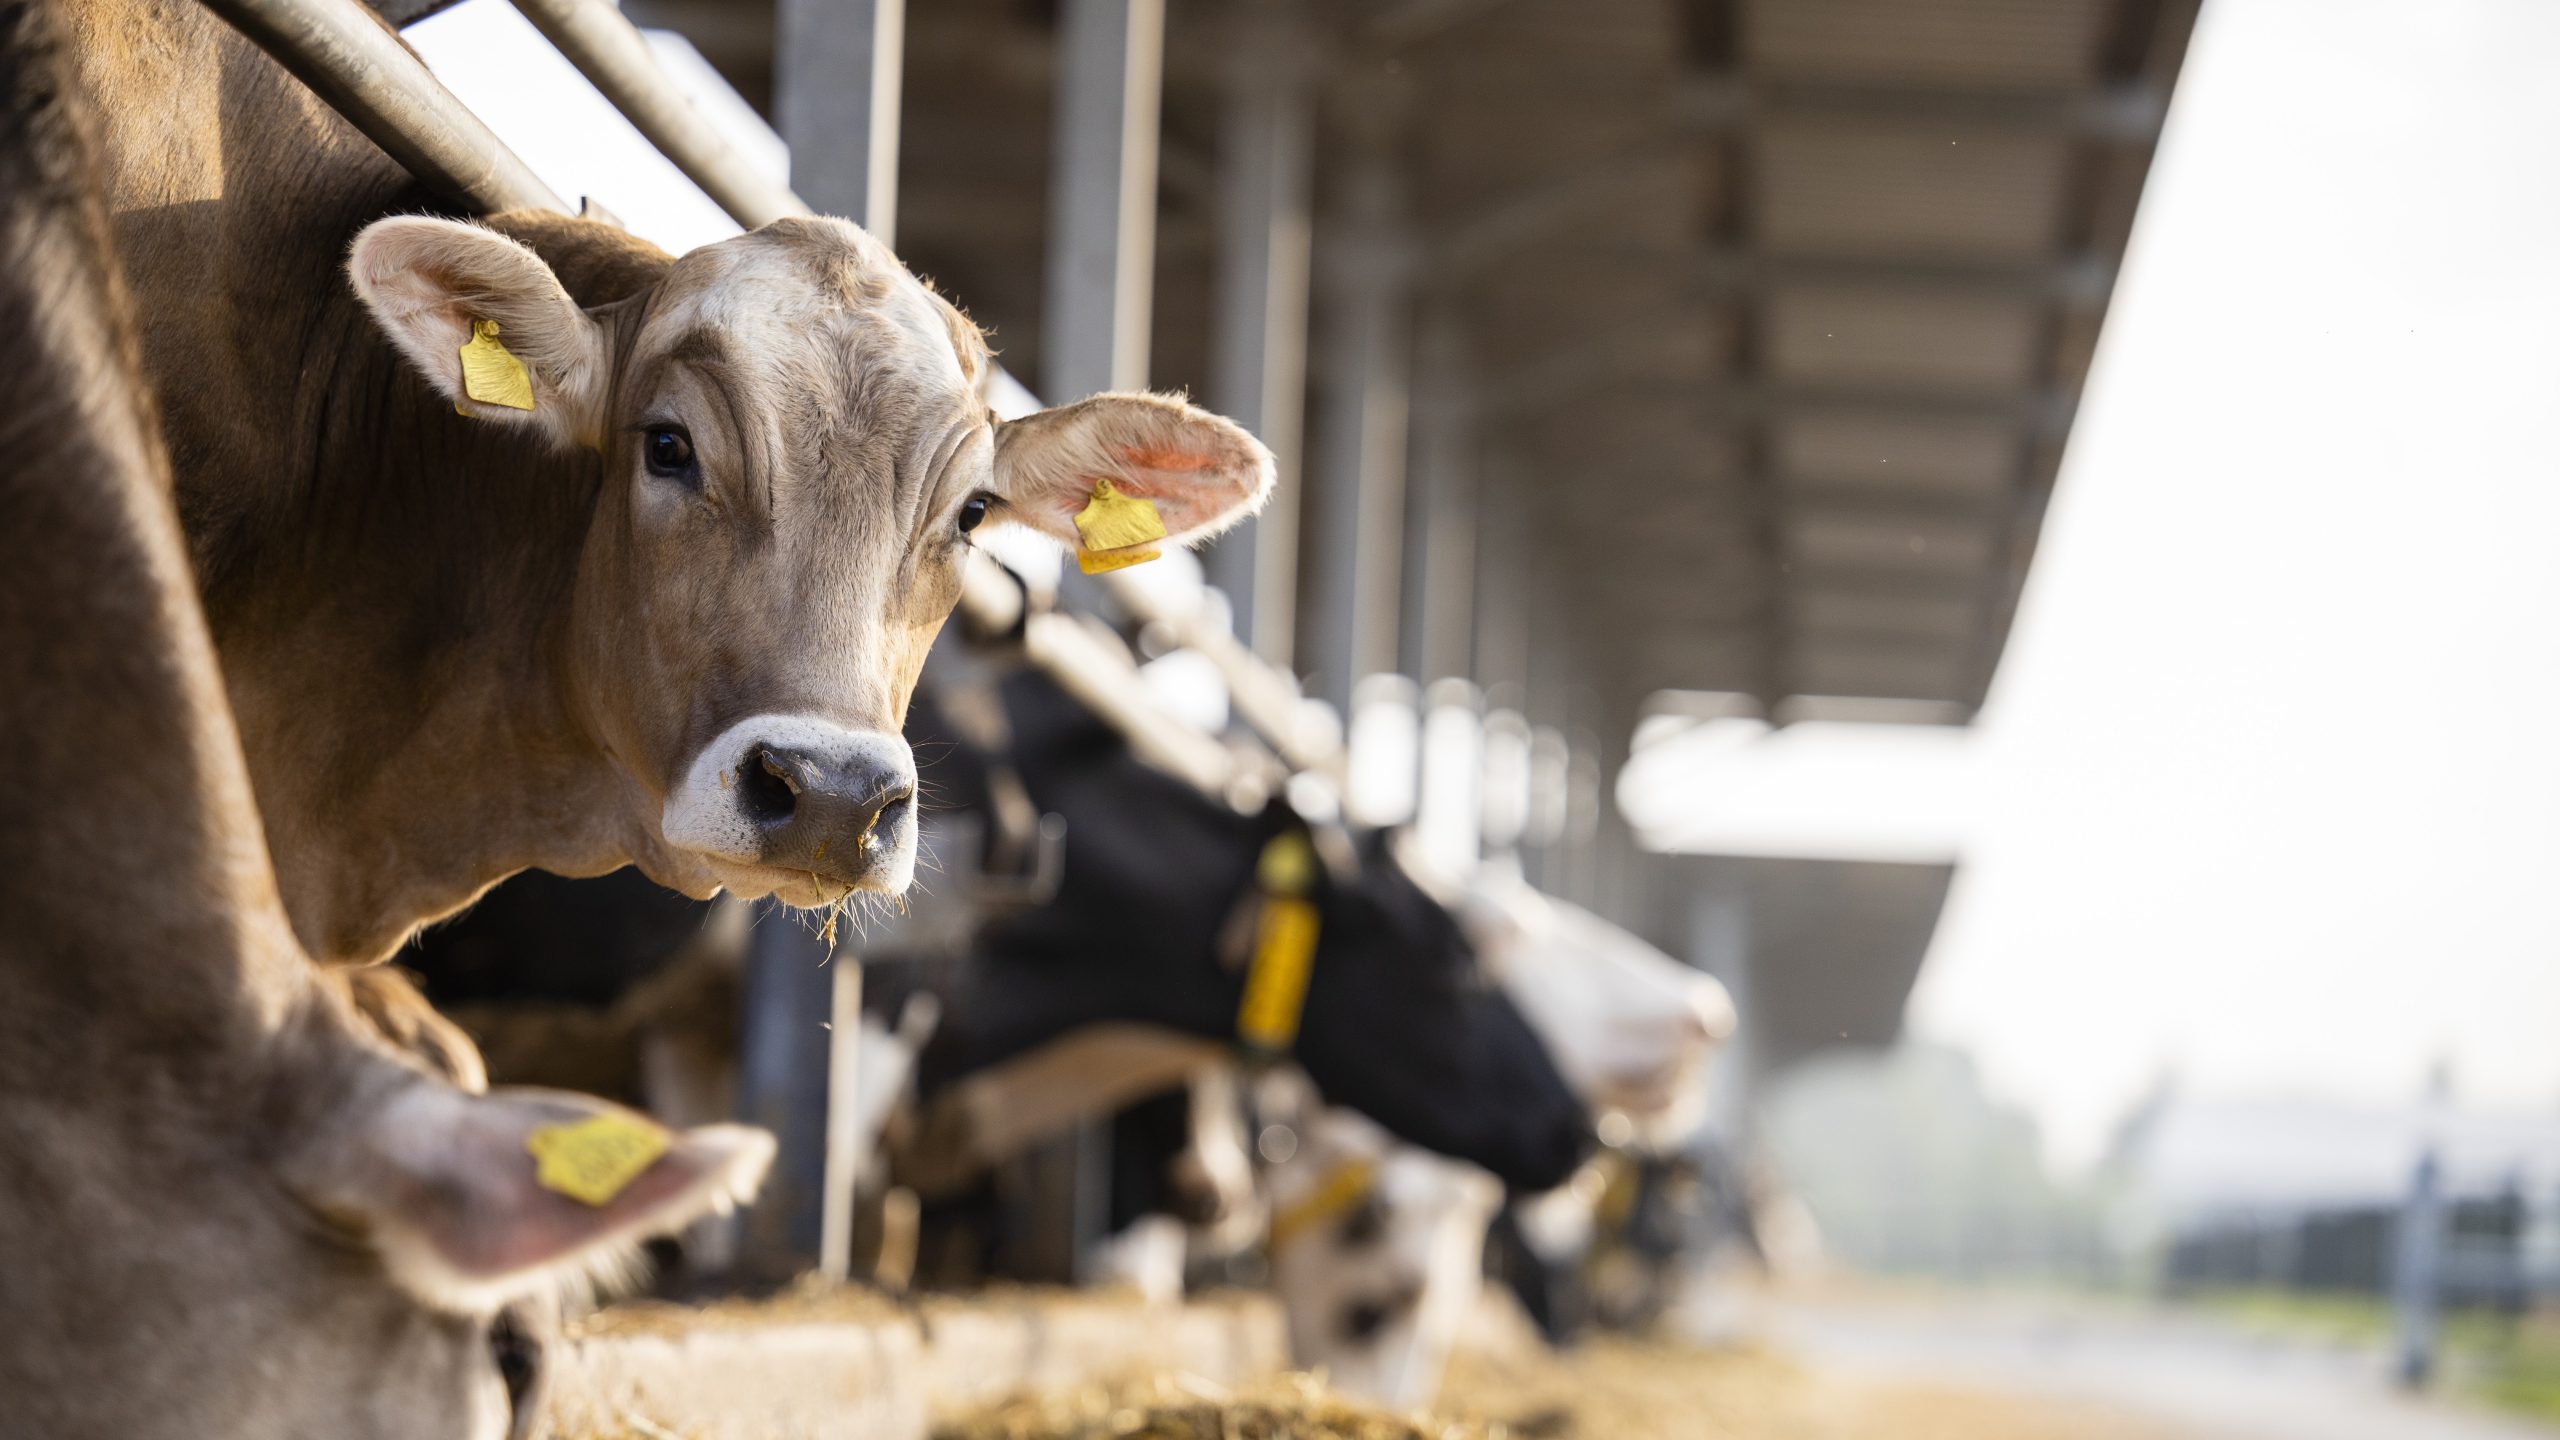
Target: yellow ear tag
x=594 y=1159
x=1115 y=531
x=491 y=374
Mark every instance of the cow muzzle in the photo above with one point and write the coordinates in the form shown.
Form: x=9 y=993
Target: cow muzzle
x=800 y=807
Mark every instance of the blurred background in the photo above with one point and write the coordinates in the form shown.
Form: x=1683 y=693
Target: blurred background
x=2013 y=533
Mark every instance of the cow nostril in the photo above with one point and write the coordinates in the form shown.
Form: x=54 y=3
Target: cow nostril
x=766 y=789
x=891 y=808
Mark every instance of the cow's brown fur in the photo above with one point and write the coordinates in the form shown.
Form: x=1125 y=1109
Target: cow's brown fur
x=457 y=649
x=226 y=1209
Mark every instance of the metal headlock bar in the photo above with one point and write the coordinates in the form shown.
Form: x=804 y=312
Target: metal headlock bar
x=356 y=63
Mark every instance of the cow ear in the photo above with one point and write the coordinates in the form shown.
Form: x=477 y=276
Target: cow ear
x=472 y=1201
x=1202 y=472
x=432 y=284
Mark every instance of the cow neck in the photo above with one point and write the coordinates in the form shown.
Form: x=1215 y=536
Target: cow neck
x=401 y=708
x=439 y=567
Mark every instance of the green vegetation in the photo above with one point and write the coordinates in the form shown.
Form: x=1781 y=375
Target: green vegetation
x=2510 y=1363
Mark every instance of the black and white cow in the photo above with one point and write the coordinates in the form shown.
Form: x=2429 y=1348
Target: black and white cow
x=1150 y=926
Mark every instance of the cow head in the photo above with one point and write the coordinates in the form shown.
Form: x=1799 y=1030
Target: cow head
x=1400 y=1022
x=794 y=453
x=1377 y=1255
x=1631 y=1027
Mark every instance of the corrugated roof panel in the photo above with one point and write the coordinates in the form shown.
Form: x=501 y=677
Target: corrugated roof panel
x=2005 y=43
x=1945 y=618
x=1851 y=187
x=1939 y=456
x=1858 y=542
x=1917 y=672
x=1881 y=335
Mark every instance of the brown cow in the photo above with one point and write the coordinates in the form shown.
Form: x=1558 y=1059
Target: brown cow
x=226 y=1209
x=671 y=615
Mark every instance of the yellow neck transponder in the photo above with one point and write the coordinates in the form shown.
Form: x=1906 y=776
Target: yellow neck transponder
x=1115 y=531
x=1284 y=947
x=594 y=1159
x=491 y=373
x=1342 y=1188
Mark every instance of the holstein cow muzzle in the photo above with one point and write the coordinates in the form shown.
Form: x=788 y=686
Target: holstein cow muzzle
x=801 y=807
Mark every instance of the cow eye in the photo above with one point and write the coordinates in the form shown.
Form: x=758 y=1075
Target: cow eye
x=668 y=452
x=972 y=513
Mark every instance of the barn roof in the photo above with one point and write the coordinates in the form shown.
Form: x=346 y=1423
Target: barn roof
x=1776 y=311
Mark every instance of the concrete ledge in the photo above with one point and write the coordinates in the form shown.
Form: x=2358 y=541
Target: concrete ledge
x=855 y=1368
x=986 y=1350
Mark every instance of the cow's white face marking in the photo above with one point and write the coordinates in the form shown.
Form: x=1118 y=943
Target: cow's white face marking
x=749 y=806
x=1376 y=1296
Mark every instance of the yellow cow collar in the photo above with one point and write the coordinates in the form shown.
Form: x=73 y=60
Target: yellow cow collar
x=1343 y=1188
x=1284 y=947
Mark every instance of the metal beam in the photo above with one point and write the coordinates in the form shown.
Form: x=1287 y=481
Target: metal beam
x=1102 y=198
x=360 y=68
x=1532 y=390
x=1889 y=502
x=1354 y=582
x=1579 y=210
x=2128 y=112
x=1258 y=364
x=1443 y=509
x=838 y=68
x=1415 y=22
x=615 y=56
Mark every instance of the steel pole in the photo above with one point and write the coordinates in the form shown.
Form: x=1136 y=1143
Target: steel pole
x=357 y=64
x=615 y=57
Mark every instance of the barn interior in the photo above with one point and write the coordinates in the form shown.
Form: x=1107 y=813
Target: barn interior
x=1623 y=358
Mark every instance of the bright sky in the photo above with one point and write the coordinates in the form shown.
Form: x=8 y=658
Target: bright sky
x=2270 y=777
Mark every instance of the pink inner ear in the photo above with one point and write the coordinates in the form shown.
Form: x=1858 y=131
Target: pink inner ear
x=521 y=1227
x=1148 y=457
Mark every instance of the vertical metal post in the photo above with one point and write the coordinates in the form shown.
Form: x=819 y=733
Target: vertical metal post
x=1720 y=944
x=1355 y=582
x=1441 y=512
x=845 y=1141
x=1102 y=198
x=1098 y=299
x=839 y=78
x=1258 y=360
x=838 y=68
x=2417 y=1249
x=1501 y=579
x=782 y=1085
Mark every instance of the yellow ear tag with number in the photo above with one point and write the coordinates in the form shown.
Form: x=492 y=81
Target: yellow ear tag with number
x=1115 y=531
x=594 y=1159
x=491 y=373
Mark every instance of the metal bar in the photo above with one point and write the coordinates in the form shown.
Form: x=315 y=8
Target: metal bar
x=1442 y=510
x=838 y=73
x=615 y=57
x=2127 y=112
x=1353 y=585
x=1102 y=197
x=1267 y=698
x=839 y=1180
x=358 y=65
